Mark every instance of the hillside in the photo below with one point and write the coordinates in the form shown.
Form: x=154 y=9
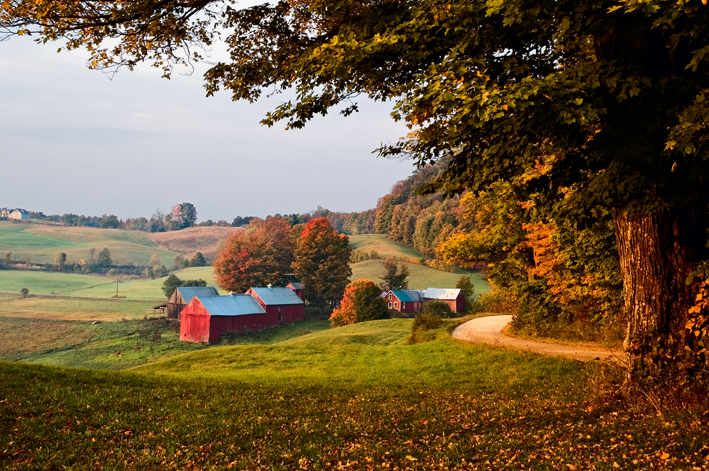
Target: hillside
x=348 y=398
x=40 y=242
x=421 y=276
x=193 y=239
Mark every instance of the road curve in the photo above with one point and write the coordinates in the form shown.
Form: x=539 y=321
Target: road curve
x=488 y=330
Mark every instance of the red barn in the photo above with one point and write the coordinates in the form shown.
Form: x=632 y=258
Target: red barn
x=453 y=297
x=298 y=288
x=207 y=318
x=281 y=304
x=404 y=300
x=182 y=296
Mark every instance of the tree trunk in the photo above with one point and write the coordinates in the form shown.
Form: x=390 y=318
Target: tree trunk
x=658 y=251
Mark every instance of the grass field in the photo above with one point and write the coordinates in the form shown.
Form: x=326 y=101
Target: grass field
x=421 y=277
x=348 y=398
x=95 y=286
x=383 y=246
x=41 y=242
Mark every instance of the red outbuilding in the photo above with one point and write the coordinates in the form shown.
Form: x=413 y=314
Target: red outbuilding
x=453 y=297
x=404 y=300
x=281 y=304
x=298 y=288
x=207 y=318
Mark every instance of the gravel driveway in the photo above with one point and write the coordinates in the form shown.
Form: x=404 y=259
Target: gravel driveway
x=488 y=330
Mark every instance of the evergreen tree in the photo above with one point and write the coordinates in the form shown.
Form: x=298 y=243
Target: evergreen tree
x=104 y=258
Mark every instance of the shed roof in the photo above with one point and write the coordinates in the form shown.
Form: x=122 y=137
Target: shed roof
x=408 y=295
x=441 y=293
x=189 y=292
x=296 y=285
x=231 y=305
x=277 y=296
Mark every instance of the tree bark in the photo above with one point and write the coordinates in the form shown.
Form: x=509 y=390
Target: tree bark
x=658 y=251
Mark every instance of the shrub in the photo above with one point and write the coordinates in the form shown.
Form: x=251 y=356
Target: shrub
x=425 y=321
x=25 y=292
x=438 y=308
x=361 y=302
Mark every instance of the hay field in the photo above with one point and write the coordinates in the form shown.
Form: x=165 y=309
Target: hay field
x=383 y=246
x=194 y=239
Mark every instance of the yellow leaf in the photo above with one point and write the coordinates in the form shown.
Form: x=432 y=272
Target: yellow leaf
x=665 y=456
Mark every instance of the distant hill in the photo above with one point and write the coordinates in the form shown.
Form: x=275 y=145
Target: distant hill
x=40 y=242
x=193 y=239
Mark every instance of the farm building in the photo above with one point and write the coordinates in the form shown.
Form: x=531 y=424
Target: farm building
x=281 y=304
x=298 y=288
x=404 y=300
x=4 y=213
x=182 y=297
x=18 y=214
x=206 y=318
x=453 y=297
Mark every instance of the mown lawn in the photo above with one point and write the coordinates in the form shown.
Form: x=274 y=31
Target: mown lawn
x=421 y=276
x=362 y=401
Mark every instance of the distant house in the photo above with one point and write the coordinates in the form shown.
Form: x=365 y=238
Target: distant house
x=182 y=297
x=453 y=297
x=298 y=288
x=281 y=304
x=18 y=214
x=4 y=213
x=404 y=300
x=206 y=318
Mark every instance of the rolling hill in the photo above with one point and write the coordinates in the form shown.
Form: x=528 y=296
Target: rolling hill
x=194 y=239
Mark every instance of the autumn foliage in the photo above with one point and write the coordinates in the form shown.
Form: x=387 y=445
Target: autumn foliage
x=261 y=255
x=361 y=302
x=322 y=262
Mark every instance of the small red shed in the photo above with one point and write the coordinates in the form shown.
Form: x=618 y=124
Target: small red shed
x=404 y=300
x=281 y=304
x=453 y=297
x=298 y=288
x=207 y=318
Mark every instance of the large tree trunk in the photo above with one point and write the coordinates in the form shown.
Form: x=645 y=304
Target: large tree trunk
x=658 y=251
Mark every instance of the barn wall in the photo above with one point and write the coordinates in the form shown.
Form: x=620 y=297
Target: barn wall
x=221 y=325
x=287 y=313
x=194 y=323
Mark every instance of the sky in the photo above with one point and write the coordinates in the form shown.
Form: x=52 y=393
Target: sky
x=75 y=141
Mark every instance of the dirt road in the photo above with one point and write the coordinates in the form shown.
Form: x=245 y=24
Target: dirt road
x=488 y=330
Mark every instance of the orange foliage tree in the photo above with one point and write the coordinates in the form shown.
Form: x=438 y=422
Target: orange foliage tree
x=260 y=255
x=361 y=302
x=321 y=263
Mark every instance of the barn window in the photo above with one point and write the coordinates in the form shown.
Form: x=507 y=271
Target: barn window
x=396 y=305
x=403 y=305
x=389 y=295
x=389 y=305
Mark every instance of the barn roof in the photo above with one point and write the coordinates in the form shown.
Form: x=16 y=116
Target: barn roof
x=441 y=293
x=277 y=296
x=189 y=292
x=296 y=285
x=407 y=295
x=231 y=305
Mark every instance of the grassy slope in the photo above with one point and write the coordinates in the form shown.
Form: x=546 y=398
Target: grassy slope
x=94 y=286
x=69 y=309
x=383 y=246
x=41 y=242
x=350 y=398
x=421 y=277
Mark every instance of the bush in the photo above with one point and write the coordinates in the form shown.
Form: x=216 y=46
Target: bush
x=437 y=308
x=25 y=292
x=424 y=321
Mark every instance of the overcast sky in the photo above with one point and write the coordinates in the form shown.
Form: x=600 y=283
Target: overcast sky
x=74 y=141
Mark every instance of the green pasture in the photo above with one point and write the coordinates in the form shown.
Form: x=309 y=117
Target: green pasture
x=70 y=284
x=61 y=308
x=421 y=276
x=40 y=243
x=347 y=398
x=383 y=246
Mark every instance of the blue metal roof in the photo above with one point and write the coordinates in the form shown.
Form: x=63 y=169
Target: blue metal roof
x=408 y=295
x=231 y=305
x=296 y=285
x=189 y=292
x=277 y=296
